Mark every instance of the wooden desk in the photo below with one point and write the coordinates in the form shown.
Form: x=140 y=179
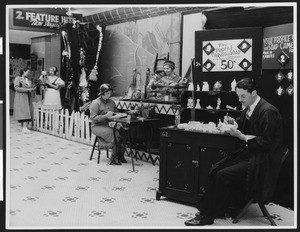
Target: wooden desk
x=185 y=160
x=129 y=123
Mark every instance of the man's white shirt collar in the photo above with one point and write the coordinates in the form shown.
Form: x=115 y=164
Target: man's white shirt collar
x=252 y=107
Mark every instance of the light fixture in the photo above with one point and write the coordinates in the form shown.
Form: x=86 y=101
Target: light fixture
x=203 y=20
x=69 y=12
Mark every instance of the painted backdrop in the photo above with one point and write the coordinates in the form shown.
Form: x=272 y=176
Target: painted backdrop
x=134 y=45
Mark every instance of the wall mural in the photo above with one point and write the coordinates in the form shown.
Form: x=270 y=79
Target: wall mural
x=134 y=45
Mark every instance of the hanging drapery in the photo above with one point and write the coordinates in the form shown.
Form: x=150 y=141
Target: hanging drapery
x=81 y=44
x=94 y=72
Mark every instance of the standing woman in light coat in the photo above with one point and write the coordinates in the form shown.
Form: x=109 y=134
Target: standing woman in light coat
x=23 y=102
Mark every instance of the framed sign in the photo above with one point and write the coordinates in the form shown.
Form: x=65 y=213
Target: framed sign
x=227 y=55
x=278 y=47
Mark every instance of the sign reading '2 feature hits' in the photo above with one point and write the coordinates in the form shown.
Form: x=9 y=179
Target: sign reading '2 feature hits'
x=31 y=18
x=227 y=55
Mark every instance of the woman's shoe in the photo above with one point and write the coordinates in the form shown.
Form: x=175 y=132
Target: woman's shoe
x=198 y=214
x=122 y=160
x=115 y=162
x=199 y=221
x=26 y=131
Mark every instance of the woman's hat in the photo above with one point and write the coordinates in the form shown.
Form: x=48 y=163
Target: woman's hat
x=104 y=88
x=169 y=63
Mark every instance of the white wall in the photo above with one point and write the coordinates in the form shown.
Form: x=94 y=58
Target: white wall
x=23 y=37
x=47 y=48
x=191 y=23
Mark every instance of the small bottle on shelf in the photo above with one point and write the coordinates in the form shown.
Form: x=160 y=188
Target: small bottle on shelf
x=191 y=86
x=177 y=117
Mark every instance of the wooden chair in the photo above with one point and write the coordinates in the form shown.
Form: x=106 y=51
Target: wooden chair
x=101 y=145
x=261 y=206
x=158 y=63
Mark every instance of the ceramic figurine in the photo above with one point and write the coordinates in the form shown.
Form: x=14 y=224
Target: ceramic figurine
x=233 y=84
x=205 y=86
x=191 y=86
x=218 y=104
x=217 y=86
x=190 y=103
x=198 y=106
x=129 y=93
x=177 y=118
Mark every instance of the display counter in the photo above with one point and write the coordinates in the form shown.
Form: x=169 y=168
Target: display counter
x=165 y=93
x=165 y=112
x=161 y=107
x=185 y=160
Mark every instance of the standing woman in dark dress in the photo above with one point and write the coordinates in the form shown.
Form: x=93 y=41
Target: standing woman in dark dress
x=23 y=100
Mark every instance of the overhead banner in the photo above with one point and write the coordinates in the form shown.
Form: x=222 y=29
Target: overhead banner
x=227 y=55
x=34 y=19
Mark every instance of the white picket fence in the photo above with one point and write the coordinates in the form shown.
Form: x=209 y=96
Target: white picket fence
x=74 y=126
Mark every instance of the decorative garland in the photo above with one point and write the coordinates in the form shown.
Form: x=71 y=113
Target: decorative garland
x=94 y=72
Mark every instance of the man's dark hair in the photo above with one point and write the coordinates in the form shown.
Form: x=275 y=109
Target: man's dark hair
x=248 y=84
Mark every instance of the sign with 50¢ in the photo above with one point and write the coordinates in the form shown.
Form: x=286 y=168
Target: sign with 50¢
x=227 y=55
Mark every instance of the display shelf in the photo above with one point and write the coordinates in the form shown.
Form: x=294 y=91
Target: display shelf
x=212 y=99
x=211 y=92
x=150 y=100
x=159 y=92
x=213 y=111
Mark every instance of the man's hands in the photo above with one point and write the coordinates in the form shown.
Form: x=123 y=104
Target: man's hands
x=229 y=120
x=237 y=133
x=233 y=130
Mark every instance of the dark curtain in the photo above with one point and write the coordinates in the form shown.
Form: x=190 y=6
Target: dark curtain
x=81 y=36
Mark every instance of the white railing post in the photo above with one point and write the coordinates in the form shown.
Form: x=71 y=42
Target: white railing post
x=75 y=127
x=67 y=121
x=42 y=119
x=70 y=133
x=87 y=130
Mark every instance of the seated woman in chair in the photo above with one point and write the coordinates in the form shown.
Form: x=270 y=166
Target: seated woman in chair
x=168 y=76
x=101 y=109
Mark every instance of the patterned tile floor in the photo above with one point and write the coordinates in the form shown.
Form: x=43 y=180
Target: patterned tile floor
x=53 y=184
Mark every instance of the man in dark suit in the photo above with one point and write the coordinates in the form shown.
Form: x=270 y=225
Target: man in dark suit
x=252 y=169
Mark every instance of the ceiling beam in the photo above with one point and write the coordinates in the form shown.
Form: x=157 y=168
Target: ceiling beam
x=127 y=14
